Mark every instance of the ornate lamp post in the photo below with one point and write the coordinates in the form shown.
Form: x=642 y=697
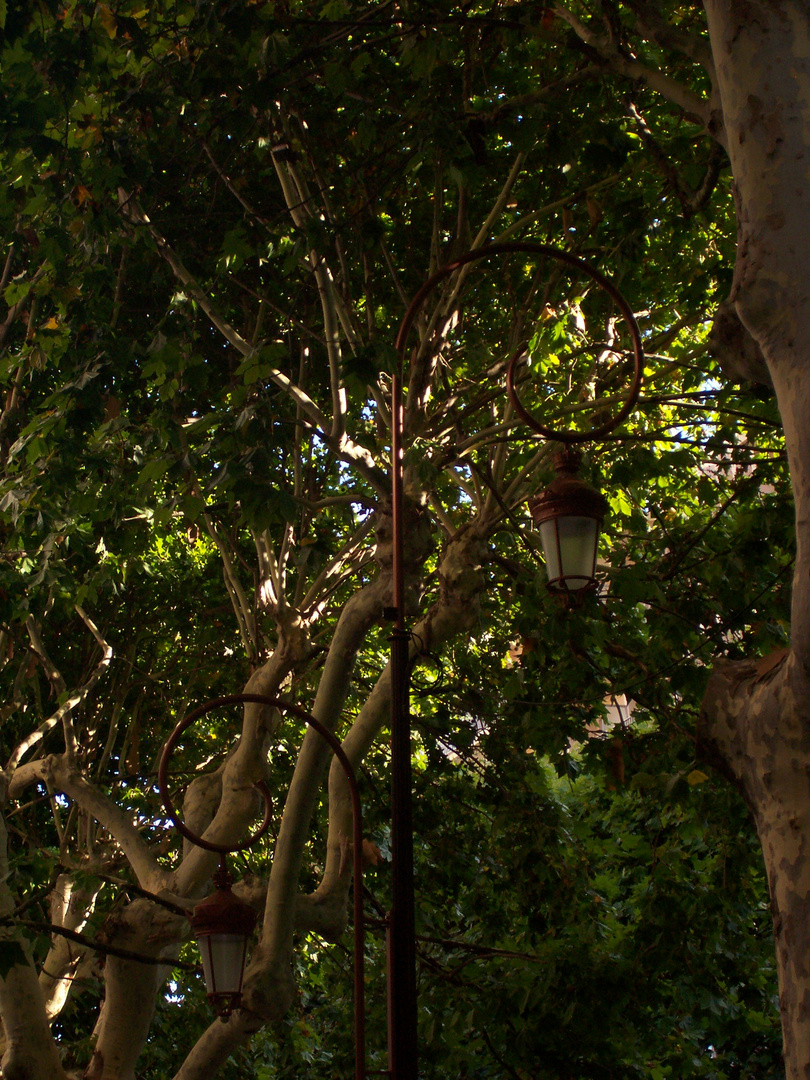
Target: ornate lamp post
x=568 y=515
x=222 y=923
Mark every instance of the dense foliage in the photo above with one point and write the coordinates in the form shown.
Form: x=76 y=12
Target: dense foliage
x=213 y=217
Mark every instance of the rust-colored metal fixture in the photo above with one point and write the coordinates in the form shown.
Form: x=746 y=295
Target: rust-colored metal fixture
x=222 y=923
x=223 y=926
x=568 y=516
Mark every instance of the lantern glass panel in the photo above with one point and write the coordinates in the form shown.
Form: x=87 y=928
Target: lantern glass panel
x=569 y=545
x=223 y=959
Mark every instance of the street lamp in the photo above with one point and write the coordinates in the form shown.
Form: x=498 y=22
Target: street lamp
x=223 y=924
x=569 y=516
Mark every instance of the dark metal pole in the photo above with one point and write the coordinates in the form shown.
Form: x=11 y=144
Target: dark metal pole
x=402 y=1007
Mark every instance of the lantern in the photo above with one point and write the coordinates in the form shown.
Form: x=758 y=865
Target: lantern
x=569 y=514
x=222 y=925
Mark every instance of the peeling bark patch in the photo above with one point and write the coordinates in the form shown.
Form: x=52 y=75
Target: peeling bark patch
x=770 y=124
x=716 y=122
x=748 y=14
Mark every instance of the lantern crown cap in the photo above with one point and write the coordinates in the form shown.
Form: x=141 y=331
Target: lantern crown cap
x=223 y=912
x=568 y=495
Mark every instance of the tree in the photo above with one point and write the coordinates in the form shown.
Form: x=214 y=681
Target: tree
x=215 y=219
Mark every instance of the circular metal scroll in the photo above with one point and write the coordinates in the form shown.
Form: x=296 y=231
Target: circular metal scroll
x=241 y=699
x=531 y=247
x=163 y=777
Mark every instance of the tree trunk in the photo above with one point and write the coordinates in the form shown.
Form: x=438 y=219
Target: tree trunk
x=755 y=729
x=756 y=717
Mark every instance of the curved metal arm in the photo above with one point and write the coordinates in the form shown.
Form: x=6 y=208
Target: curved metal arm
x=357 y=831
x=532 y=247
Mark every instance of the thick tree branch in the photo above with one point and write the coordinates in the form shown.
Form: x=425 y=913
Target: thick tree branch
x=61 y=775
x=695 y=107
x=462 y=583
x=71 y=906
x=219 y=1041
x=270 y=578
x=222 y=805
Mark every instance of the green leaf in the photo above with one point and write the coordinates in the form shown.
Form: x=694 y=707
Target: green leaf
x=153 y=470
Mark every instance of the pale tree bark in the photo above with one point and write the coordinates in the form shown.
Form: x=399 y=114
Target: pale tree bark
x=454 y=614
x=756 y=723
x=29 y=1001
x=755 y=729
x=30 y=1051
x=269 y=987
x=71 y=907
